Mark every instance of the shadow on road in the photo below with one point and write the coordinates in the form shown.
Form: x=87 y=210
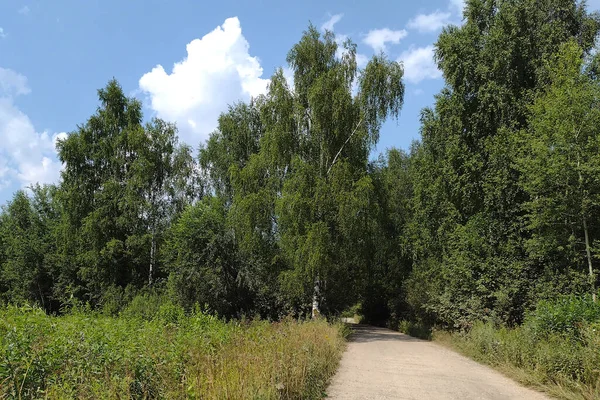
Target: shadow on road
x=368 y=333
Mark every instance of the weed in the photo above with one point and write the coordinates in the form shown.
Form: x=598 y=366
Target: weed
x=163 y=354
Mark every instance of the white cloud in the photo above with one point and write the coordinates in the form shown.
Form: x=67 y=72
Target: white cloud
x=26 y=156
x=217 y=71
x=457 y=6
x=24 y=10
x=377 y=38
x=2 y=34
x=328 y=26
x=12 y=83
x=419 y=64
x=430 y=22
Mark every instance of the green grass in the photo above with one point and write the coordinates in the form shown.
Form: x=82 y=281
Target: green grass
x=564 y=366
x=173 y=355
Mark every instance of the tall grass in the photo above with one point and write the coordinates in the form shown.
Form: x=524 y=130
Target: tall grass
x=557 y=349
x=172 y=355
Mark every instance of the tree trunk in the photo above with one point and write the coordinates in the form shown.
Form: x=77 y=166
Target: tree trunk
x=152 y=257
x=316 y=294
x=587 y=237
x=589 y=259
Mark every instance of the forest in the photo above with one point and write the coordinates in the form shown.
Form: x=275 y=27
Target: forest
x=287 y=211
x=494 y=209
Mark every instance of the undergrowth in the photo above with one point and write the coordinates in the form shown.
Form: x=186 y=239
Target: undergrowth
x=169 y=355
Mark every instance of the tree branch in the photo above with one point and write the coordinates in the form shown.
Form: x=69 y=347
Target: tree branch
x=341 y=148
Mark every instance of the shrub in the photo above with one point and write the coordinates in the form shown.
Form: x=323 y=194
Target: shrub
x=566 y=315
x=415 y=329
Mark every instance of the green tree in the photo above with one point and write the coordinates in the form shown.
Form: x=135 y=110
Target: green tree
x=202 y=260
x=560 y=165
x=160 y=183
x=292 y=169
x=27 y=236
x=326 y=192
x=469 y=236
x=122 y=184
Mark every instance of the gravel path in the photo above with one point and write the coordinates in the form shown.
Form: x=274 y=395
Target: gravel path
x=383 y=364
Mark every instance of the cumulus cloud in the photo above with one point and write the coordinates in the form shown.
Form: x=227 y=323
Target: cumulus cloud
x=217 y=71
x=26 y=155
x=24 y=10
x=328 y=26
x=419 y=64
x=2 y=34
x=378 y=38
x=429 y=22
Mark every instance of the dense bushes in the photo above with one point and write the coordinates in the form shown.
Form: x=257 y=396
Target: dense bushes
x=167 y=355
x=566 y=315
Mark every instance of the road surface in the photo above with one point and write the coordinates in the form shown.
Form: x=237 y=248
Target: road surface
x=383 y=364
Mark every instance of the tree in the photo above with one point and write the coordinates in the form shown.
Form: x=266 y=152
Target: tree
x=160 y=182
x=291 y=167
x=121 y=185
x=560 y=165
x=202 y=260
x=470 y=260
x=333 y=133
x=27 y=235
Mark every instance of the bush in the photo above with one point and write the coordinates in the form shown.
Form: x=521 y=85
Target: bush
x=352 y=312
x=145 y=305
x=415 y=329
x=566 y=315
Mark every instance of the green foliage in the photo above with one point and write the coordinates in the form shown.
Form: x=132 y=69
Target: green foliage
x=565 y=315
x=27 y=238
x=203 y=263
x=122 y=184
x=492 y=232
x=559 y=165
x=87 y=355
x=292 y=171
x=415 y=329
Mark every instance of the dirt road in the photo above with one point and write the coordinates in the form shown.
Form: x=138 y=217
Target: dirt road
x=383 y=364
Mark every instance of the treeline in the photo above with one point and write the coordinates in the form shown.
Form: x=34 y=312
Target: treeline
x=283 y=212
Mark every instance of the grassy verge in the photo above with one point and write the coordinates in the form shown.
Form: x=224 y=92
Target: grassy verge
x=560 y=365
x=172 y=356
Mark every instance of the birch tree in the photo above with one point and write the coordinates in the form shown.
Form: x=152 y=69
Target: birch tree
x=560 y=163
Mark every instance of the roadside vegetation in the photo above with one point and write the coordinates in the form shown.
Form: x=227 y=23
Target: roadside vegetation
x=556 y=349
x=163 y=352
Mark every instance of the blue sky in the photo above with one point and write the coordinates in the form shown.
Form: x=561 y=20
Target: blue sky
x=186 y=60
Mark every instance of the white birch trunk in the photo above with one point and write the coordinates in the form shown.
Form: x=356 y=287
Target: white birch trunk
x=315 y=304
